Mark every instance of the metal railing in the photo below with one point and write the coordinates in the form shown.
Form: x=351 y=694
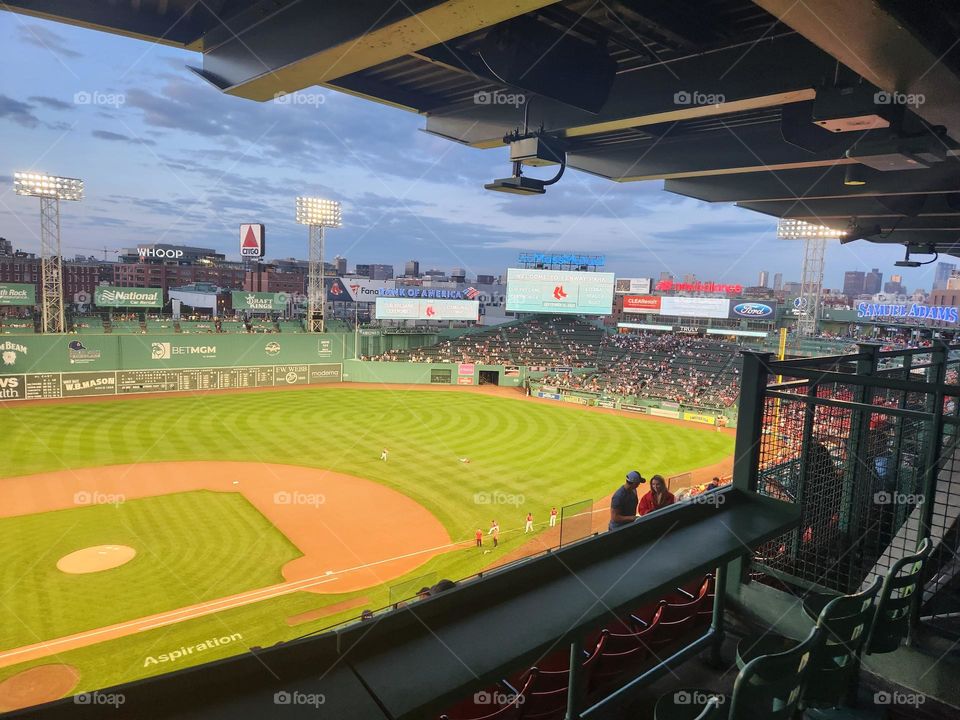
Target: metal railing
x=867 y=445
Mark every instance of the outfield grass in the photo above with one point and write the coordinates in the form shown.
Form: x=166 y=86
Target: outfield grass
x=192 y=546
x=533 y=455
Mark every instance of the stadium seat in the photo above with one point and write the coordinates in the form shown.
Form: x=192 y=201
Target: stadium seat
x=692 y=611
x=767 y=687
x=477 y=706
x=546 y=696
x=624 y=653
x=892 y=622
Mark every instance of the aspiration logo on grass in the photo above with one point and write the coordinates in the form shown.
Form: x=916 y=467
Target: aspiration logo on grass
x=187 y=650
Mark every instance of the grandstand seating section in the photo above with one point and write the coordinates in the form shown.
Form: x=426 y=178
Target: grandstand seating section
x=624 y=648
x=88 y=325
x=195 y=326
x=232 y=326
x=157 y=325
x=160 y=325
x=291 y=326
x=124 y=327
x=262 y=325
x=539 y=342
x=16 y=326
x=689 y=369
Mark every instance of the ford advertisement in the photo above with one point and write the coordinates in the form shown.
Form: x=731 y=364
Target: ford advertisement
x=753 y=310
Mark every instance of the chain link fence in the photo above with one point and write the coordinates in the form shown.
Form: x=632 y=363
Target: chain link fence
x=867 y=446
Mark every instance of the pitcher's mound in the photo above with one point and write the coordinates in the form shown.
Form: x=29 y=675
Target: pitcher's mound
x=40 y=684
x=95 y=559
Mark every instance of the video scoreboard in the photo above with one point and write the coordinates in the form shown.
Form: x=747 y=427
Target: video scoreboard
x=559 y=291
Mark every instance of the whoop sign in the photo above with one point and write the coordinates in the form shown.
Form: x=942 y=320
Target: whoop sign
x=159 y=252
x=252 y=240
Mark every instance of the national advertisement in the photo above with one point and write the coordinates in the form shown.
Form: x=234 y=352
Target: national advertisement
x=109 y=296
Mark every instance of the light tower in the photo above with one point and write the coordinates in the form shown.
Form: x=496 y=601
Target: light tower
x=811 y=281
x=51 y=190
x=318 y=214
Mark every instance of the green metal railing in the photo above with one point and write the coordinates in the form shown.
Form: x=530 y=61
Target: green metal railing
x=866 y=444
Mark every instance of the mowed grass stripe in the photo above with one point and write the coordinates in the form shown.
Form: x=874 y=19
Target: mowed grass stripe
x=187 y=549
x=547 y=455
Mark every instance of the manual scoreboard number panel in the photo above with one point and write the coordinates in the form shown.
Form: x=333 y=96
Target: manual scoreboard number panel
x=37 y=386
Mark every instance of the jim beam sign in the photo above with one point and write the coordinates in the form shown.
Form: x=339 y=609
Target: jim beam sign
x=252 y=240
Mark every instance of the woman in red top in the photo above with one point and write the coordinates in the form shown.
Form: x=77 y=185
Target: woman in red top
x=657 y=498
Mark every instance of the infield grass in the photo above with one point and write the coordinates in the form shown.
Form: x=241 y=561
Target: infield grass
x=524 y=456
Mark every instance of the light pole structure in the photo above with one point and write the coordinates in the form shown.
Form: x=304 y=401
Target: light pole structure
x=318 y=214
x=51 y=190
x=815 y=239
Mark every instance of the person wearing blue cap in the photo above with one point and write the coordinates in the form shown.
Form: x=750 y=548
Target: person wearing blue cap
x=623 y=504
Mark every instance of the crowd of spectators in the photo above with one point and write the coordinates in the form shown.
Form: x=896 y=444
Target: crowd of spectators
x=679 y=368
x=579 y=355
x=537 y=343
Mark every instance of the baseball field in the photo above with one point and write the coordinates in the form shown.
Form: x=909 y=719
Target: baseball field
x=142 y=536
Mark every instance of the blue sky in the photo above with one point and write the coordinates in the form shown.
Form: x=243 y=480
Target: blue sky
x=167 y=158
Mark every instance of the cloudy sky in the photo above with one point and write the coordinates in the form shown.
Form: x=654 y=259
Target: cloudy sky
x=166 y=158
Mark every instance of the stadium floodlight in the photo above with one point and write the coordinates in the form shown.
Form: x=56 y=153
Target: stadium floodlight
x=318 y=214
x=815 y=239
x=51 y=189
x=318 y=211
x=792 y=229
x=50 y=186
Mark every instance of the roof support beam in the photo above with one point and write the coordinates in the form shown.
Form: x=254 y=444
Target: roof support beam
x=875 y=45
x=758 y=149
x=817 y=183
x=176 y=27
x=772 y=73
x=312 y=43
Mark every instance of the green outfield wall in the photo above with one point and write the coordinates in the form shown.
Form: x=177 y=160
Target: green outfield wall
x=71 y=353
x=58 y=366
x=431 y=373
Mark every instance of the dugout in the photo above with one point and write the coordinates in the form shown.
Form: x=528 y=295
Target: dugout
x=488 y=377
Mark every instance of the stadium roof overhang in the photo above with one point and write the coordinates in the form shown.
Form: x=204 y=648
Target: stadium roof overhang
x=765 y=103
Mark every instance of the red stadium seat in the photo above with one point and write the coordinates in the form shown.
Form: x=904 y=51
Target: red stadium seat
x=546 y=698
x=471 y=709
x=625 y=653
x=677 y=612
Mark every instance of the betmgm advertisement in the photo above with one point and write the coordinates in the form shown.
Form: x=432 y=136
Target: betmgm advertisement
x=559 y=291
